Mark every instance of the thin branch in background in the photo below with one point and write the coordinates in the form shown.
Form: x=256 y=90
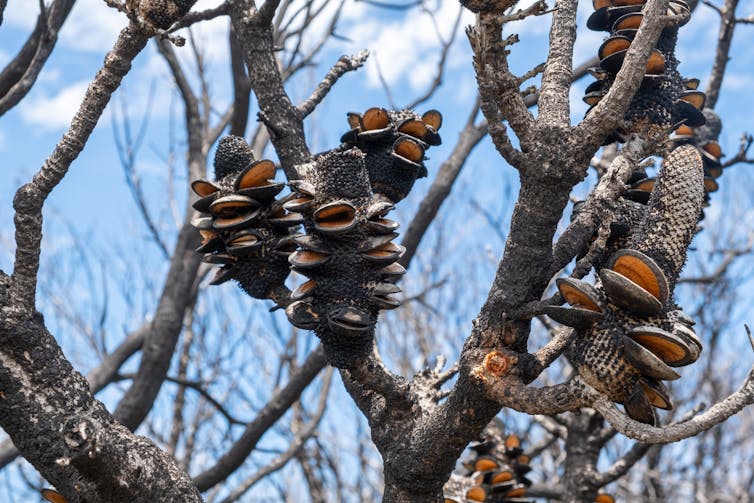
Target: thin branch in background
x=383 y=82
x=128 y=147
x=3 y=4
x=278 y=404
x=722 y=51
x=295 y=446
x=21 y=73
x=444 y=51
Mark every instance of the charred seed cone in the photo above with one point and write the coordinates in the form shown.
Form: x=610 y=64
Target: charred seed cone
x=244 y=228
x=630 y=333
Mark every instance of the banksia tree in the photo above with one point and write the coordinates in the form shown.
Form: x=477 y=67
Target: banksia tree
x=329 y=222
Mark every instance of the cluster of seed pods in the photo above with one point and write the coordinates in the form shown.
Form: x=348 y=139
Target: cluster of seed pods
x=494 y=473
x=244 y=228
x=630 y=334
x=347 y=253
x=664 y=98
x=163 y=13
x=394 y=143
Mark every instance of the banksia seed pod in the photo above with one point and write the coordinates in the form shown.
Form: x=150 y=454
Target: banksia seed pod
x=394 y=143
x=705 y=139
x=244 y=228
x=494 y=473
x=629 y=332
x=347 y=254
x=163 y=13
x=664 y=98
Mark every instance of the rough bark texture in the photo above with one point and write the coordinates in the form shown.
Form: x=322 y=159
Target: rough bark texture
x=50 y=414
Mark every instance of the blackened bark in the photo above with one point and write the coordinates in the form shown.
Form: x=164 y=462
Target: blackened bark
x=284 y=121
x=48 y=411
x=582 y=447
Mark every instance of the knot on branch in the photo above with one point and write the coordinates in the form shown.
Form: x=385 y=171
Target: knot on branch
x=79 y=435
x=494 y=366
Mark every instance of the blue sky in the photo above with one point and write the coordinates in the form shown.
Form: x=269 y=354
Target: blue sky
x=93 y=212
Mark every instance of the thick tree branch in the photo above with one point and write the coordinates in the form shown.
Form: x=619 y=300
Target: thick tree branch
x=556 y=80
x=30 y=198
x=283 y=120
x=722 y=52
x=69 y=437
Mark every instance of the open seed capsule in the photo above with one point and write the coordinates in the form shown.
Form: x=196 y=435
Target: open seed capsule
x=244 y=242
x=647 y=362
x=579 y=294
x=307 y=259
x=374 y=118
x=204 y=188
x=301 y=315
x=384 y=254
x=433 y=119
x=263 y=192
x=349 y=321
x=407 y=149
x=670 y=348
x=614 y=44
x=642 y=270
x=233 y=204
x=287 y=220
x=257 y=174
x=603 y=18
x=336 y=217
x=696 y=98
x=53 y=496
x=476 y=493
x=657 y=393
x=381 y=296
x=236 y=222
x=628 y=295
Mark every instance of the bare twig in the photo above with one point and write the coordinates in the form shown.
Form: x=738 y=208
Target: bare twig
x=296 y=444
x=345 y=64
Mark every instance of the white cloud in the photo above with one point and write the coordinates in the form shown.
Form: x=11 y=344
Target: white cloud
x=21 y=15
x=53 y=112
x=406 y=48
x=92 y=26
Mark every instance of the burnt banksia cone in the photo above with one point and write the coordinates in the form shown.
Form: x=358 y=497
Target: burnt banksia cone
x=630 y=334
x=494 y=473
x=244 y=228
x=664 y=98
x=163 y=13
x=394 y=143
x=347 y=254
